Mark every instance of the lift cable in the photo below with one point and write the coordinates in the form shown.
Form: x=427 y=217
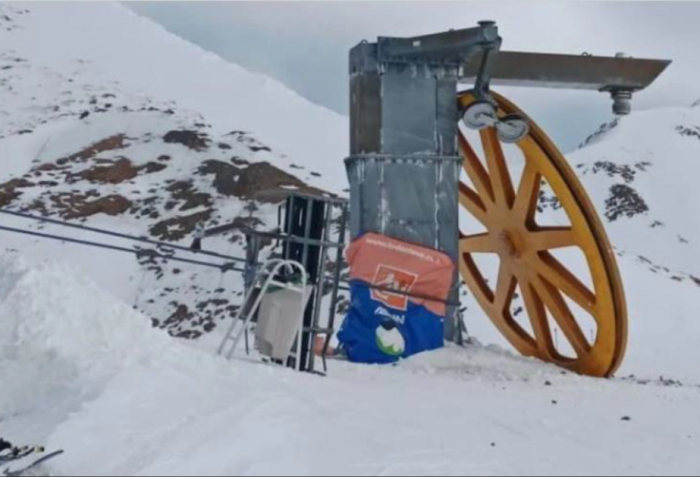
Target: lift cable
x=149 y=253
x=120 y=235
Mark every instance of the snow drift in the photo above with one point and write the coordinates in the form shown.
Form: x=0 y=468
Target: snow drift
x=62 y=334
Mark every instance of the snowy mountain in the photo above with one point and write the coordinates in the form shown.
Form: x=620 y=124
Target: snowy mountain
x=643 y=177
x=108 y=46
x=108 y=120
x=153 y=142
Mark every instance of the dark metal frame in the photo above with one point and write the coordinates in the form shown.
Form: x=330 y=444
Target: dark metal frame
x=334 y=208
x=331 y=205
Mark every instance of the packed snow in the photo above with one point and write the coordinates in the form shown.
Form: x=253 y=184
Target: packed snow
x=83 y=369
x=124 y=400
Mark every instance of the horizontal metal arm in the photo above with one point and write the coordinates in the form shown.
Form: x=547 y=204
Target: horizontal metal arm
x=544 y=70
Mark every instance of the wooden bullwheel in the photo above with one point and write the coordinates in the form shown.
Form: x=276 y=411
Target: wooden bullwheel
x=508 y=212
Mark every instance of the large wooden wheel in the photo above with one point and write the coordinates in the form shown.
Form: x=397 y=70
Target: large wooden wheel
x=526 y=251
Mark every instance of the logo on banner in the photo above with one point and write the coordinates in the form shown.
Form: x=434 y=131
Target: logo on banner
x=394 y=279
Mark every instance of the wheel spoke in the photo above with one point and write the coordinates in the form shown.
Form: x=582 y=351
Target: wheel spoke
x=538 y=318
x=550 y=238
x=561 y=313
x=501 y=184
x=525 y=204
x=555 y=273
x=476 y=171
x=470 y=200
x=481 y=243
x=505 y=288
x=475 y=281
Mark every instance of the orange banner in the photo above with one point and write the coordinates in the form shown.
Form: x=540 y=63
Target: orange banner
x=389 y=263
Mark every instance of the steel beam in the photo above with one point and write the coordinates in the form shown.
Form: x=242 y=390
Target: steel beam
x=545 y=70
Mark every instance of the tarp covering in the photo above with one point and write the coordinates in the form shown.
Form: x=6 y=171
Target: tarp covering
x=381 y=326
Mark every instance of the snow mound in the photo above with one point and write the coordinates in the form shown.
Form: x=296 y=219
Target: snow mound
x=55 y=340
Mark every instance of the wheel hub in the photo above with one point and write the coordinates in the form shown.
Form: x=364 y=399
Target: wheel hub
x=507 y=245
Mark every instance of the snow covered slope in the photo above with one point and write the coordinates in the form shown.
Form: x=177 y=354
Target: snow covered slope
x=106 y=46
x=108 y=120
x=643 y=174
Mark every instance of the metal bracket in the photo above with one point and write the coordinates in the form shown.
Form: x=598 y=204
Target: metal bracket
x=619 y=75
x=452 y=48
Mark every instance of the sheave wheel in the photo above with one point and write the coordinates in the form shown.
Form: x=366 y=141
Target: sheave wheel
x=526 y=251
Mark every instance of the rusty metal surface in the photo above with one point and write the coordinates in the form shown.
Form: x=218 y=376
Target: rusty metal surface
x=515 y=68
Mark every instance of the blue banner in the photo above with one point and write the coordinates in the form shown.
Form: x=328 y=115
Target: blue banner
x=377 y=334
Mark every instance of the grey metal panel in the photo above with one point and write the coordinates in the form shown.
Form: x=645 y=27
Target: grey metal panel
x=365 y=209
x=408 y=110
x=365 y=113
x=448 y=233
x=515 y=68
x=412 y=198
x=363 y=57
x=448 y=210
x=408 y=211
x=447 y=116
x=355 y=177
x=371 y=197
x=401 y=108
x=449 y=46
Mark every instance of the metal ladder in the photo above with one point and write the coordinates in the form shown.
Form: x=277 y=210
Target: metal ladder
x=265 y=278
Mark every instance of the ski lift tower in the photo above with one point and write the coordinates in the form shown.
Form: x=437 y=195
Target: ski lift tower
x=407 y=154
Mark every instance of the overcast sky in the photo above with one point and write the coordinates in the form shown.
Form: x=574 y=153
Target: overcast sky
x=305 y=44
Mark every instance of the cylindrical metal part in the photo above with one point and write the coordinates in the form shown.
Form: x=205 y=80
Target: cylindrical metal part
x=622 y=102
x=622 y=99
